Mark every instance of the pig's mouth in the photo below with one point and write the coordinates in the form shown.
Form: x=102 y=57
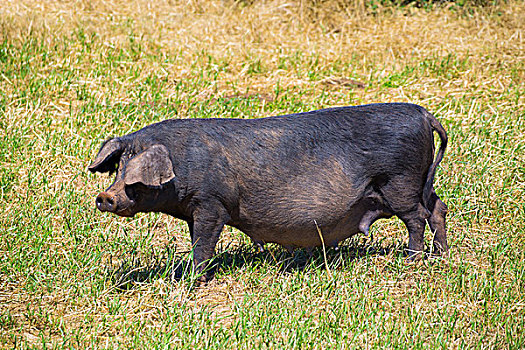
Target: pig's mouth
x=125 y=212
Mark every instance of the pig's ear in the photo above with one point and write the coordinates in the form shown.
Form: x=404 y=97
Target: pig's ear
x=108 y=156
x=151 y=167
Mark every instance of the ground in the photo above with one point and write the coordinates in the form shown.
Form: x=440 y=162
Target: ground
x=74 y=73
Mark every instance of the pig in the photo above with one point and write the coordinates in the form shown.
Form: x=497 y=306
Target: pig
x=299 y=180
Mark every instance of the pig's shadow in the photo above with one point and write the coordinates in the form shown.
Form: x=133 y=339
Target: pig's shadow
x=176 y=266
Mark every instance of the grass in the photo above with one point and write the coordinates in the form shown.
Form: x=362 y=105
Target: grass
x=72 y=74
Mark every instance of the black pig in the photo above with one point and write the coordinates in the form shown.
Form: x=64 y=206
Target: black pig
x=284 y=179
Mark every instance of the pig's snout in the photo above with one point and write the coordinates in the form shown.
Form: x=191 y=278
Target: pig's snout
x=105 y=202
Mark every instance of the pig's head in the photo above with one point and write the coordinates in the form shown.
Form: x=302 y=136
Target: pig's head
x=141 y=176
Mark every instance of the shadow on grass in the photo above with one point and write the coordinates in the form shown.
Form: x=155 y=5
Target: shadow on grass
x=301 y=259
x=177 y=266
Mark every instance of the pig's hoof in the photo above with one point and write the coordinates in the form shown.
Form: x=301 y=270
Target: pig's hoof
x=414 y=257
x=205 y=278
x=440 y=251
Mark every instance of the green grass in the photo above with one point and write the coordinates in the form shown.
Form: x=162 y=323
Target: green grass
x=72 y=277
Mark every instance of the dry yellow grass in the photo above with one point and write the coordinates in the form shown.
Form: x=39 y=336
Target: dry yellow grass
x=268 y=30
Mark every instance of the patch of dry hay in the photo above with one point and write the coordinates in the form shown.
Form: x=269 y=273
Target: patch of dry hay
x=266 y=31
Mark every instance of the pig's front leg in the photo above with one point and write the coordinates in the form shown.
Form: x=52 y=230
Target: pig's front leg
x=208 y=222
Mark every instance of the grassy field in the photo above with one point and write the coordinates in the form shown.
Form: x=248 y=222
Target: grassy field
x=74 y=73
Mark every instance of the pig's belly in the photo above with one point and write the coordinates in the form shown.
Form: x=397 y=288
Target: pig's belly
x=305 y=236
x=305 y=230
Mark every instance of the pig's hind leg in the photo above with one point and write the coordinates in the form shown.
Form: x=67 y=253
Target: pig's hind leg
x=415 y=221
x=437 y=222
x=403 y=196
